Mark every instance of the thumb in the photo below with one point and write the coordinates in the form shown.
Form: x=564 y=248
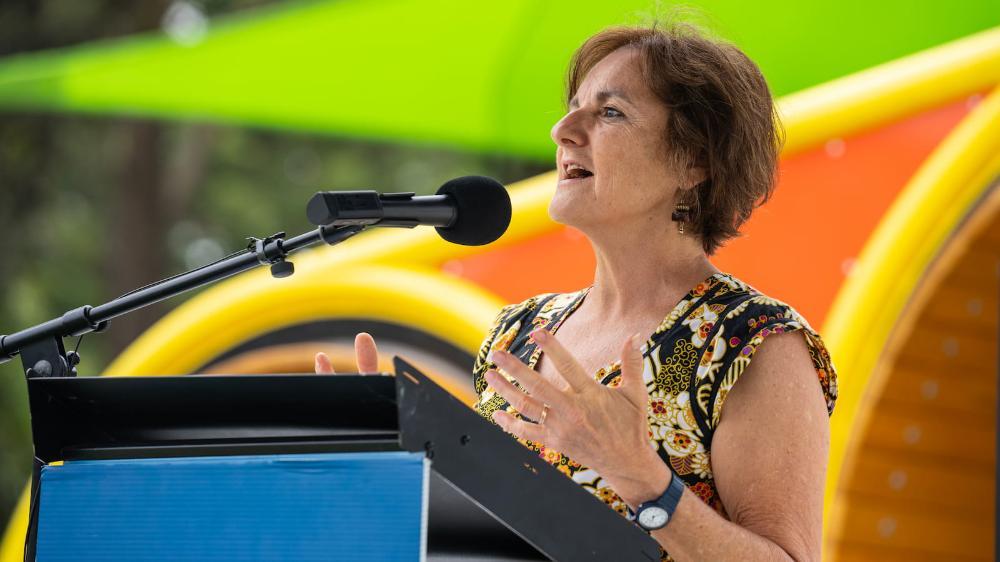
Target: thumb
x=632 y=383
x=366 y=353
x=323 y=364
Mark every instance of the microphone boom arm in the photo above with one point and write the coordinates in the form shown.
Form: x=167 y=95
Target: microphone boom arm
x=41 y=346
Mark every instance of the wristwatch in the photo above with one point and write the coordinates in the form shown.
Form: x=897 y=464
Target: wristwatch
x=655 y=514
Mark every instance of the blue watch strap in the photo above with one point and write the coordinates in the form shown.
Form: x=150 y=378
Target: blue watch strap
x=668 y=501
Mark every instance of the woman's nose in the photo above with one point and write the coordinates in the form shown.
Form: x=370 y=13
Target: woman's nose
x=569 y=131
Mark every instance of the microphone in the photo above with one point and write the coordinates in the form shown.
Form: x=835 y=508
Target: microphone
x=471 y=210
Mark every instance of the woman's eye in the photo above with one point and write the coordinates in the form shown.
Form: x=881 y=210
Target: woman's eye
x=611 y=112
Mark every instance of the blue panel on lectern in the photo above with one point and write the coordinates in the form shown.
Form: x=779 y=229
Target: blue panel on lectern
x=338 y=506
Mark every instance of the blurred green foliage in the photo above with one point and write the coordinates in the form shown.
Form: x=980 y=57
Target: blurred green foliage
x=92 y=207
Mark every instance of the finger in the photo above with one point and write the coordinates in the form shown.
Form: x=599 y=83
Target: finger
x=632 y=382
x=323 y=364
x=520 y=428
x=528 y=379
x=563 y=360
x=366 y=353
x=528 y=406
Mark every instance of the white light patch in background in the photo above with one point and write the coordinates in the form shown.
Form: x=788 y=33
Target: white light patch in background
x=184 y=23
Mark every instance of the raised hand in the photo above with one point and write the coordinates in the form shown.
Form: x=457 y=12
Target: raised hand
x=365 y=353
x=604 y=428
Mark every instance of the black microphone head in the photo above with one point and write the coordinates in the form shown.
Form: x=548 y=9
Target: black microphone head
x=482 y=210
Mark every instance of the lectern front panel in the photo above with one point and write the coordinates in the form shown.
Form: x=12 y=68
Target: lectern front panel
x=333 y=506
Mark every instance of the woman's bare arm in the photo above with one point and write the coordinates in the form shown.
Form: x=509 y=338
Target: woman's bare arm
x=769 y=458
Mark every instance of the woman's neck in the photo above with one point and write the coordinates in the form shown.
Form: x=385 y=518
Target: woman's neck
x=644 y=269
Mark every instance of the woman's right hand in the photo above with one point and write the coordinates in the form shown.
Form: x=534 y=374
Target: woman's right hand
x=364 y=351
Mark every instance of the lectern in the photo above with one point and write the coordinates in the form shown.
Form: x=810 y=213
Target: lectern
x=298 y=467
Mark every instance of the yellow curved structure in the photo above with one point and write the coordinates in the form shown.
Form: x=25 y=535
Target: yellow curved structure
x=891 y=91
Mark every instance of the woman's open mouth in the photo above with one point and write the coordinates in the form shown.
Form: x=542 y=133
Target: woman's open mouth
x=576 y=173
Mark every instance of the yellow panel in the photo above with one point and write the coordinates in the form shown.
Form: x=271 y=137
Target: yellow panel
x=12 y=549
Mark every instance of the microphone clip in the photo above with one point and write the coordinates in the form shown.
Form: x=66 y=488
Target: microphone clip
x=270 y=251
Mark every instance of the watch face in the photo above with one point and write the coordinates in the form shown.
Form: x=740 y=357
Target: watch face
x=653 y=517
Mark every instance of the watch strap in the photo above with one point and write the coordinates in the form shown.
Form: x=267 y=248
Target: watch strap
x=668 y=501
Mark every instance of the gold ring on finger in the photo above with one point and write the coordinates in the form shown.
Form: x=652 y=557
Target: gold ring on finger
x=544 y=414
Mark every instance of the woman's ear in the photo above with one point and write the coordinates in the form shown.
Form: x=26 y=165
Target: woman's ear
x=696 y=176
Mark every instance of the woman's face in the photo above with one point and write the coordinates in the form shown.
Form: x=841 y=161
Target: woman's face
x=614 y=130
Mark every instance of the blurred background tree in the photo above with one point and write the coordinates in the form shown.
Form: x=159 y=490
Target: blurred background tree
x=91 y=207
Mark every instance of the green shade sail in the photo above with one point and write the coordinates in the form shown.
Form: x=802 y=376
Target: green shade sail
x=474 y=75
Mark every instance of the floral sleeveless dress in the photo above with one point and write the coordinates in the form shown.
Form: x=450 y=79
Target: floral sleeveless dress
x=691 y=362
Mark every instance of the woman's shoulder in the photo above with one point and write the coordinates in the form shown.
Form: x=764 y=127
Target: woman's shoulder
x=744 y=304
x=746 y=318
x=727 y=304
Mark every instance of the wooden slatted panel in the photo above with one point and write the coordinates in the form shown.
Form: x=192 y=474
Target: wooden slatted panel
x=945 y=394
x=962 y=307
x=990 y=237
x=940 y=537
x=938 y=439
x=963 y=416
x=951 y=351
x=906 y=481
x=851 y=550
x=924 y=484
x=982 y=262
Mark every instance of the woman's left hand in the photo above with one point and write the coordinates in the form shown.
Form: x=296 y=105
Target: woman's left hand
x=603 y=428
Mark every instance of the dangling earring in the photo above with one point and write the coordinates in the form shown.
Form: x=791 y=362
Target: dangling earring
x=681 y=214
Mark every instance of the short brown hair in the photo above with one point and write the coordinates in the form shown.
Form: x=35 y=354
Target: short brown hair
x=722 y=117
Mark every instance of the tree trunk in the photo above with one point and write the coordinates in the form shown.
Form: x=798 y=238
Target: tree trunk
x=136 y=248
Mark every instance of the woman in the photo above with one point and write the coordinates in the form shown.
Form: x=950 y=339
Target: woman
x=669 y=142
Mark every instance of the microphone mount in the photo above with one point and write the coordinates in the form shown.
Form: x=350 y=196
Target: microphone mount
x=404 y=210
